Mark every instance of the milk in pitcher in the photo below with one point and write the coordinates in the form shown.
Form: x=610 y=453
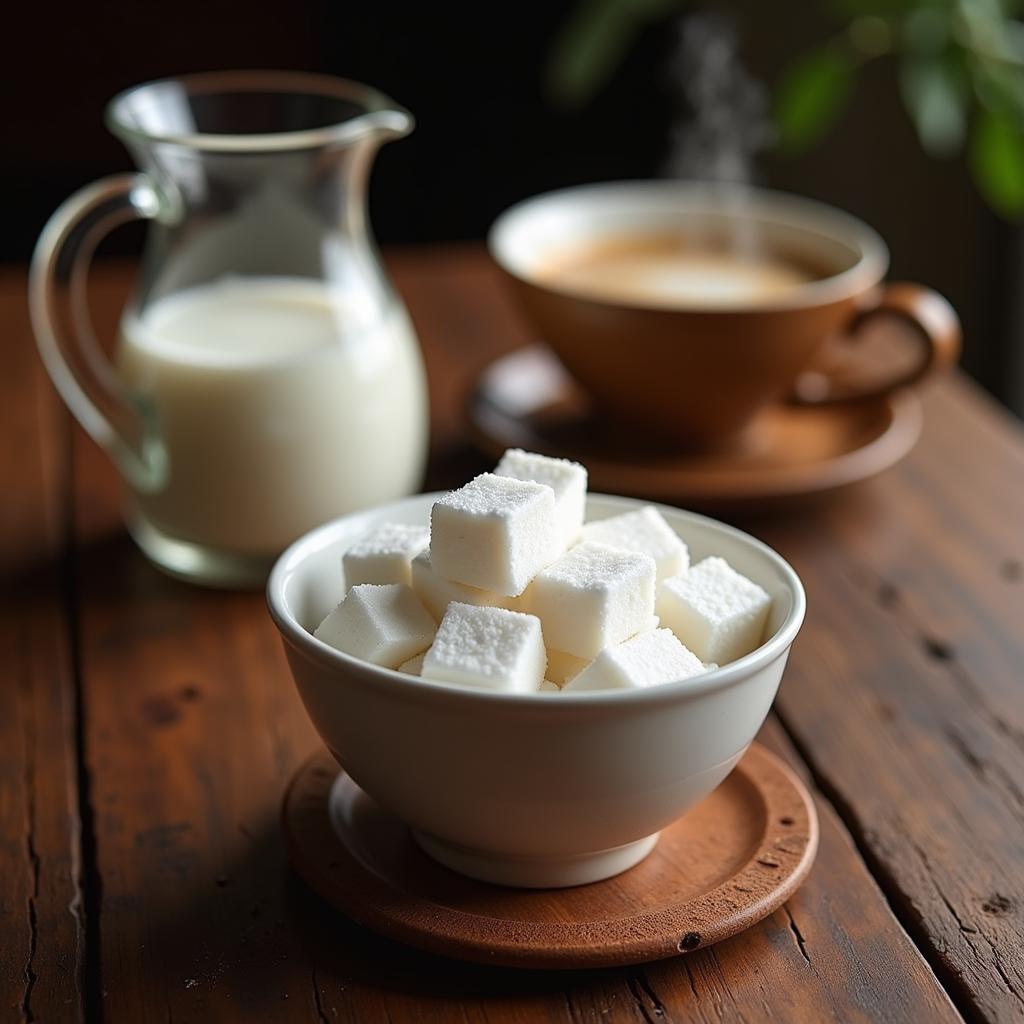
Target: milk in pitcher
x=280 y=403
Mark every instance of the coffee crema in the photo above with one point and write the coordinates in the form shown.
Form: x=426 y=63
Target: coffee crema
x=670 y=271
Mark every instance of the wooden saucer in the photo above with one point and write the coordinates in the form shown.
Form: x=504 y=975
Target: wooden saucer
x=733 y=860
x=526 y=399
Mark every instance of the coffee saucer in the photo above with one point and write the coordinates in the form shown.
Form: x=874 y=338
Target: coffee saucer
x=725 y=865
x=526 y=399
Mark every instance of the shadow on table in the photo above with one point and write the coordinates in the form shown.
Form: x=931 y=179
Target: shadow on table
x=255 y=937
x=347 y=953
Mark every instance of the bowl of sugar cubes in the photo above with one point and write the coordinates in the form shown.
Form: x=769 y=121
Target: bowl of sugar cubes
x=535 y=679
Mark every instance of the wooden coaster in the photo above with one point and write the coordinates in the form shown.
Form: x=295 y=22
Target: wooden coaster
x=733 y=860
x=526 y=399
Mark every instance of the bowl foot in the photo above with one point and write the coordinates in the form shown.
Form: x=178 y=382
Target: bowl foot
x=536 y=872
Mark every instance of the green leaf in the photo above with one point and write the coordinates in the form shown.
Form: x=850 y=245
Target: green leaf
x=935 y=93
x=927 y=30
x=999 y=86
x=997 y=162
x=811 y=95
x=593 y=41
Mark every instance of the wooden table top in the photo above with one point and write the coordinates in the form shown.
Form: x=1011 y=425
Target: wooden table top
x=148 y=728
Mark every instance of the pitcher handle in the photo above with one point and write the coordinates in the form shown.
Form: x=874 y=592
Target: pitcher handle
x=122 y=424
x=936 y=329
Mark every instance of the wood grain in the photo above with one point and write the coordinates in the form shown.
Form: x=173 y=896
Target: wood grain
x=192 y=728
x=906 y=687
x=42 y=906
x=904 y=693
x=933 y=787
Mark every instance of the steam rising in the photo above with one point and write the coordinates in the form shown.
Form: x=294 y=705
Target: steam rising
x=722 y=119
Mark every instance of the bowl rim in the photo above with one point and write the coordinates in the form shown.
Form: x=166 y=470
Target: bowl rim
x=412 y=687
x=728 y=200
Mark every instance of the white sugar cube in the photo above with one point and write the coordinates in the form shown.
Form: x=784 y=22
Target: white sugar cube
x=414 y=666
x=719 y=614
x=593 y=597
x=382 y=623
x=547 y=686
x=495 y=533
x=562 y=667
x=646 y=531
x=385 y=554
x=567 y=479
x=491 y=648
x=437 y=593
x=645 y=660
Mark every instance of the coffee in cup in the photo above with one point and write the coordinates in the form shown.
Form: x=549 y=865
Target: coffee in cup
x=665 y=269
x=686 y=308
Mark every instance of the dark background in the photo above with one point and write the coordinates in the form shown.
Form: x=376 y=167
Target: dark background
x=486 y=133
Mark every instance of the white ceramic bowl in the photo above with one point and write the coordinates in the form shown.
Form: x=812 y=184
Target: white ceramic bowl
x=545 y=789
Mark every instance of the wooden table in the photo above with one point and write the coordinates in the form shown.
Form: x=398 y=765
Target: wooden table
x=148 y=728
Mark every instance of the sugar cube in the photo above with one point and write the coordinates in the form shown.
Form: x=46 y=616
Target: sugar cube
x=547 y=686
x=382 y=623
x=567 y=479
x=644 y=530
x=385 y=554
x=491 y=648
x=593 y=597
x=496 y=533
x=644 y=660
x=414 y=666
x=437 y=593
x=562 y=667
x=719 y=614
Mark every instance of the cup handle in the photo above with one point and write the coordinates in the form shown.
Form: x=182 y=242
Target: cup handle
x=121 y=423
x=936 y=329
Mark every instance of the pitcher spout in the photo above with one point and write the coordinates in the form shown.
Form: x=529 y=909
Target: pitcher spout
x=393 y=123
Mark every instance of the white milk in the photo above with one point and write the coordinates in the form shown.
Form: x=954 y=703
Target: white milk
x=279 y=408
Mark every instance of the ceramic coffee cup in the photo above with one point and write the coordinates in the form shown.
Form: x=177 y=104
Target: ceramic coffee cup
x=698 y=367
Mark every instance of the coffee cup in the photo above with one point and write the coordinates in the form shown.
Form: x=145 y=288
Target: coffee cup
x=685 y=308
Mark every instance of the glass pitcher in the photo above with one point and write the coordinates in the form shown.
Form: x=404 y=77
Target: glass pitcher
x=266 y=377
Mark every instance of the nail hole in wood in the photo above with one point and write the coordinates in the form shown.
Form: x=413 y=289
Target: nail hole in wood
x=691 y=940
x=997 y=905
x=938 y=649
x=787 y=821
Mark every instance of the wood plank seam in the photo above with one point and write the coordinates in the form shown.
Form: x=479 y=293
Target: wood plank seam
x=958 y=993
x=89 y=882
x=86 y=907
x=85 y=911
x=29 y=976
x=42 y=979
x=987 y=771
